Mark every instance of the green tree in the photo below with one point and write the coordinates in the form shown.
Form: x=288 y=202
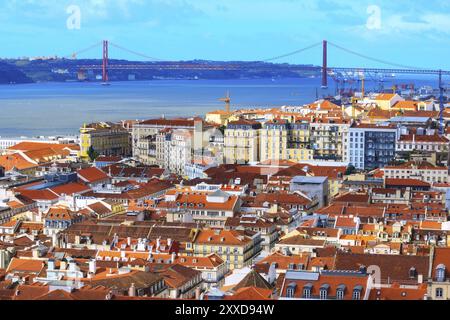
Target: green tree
x=92 y=154
x=350 y=170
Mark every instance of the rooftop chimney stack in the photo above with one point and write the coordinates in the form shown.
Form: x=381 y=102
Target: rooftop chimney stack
x=132 y=290
x=93 y=266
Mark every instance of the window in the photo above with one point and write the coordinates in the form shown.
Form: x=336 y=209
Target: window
x=440 y=273
x=323 y=294
x=412 y=272
x=356 y=293
x=290 y=291
x=340 y=294
x=439 y=292
x=307 y=291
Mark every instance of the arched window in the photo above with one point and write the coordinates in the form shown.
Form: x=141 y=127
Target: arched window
x=340 y=292
x=357 y=293
x=324 y=291
x=440 y=273
x=307 y=291
x=412 y=272
x=290 y=291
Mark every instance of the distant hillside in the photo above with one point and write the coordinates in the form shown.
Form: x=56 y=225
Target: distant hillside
x=61 y=70
x=12 y=74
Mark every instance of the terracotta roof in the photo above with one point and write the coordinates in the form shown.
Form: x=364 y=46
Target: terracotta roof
x=222 y=237
x=253 y=279
x=39 y=194
x=16 y=161
x=301 y=241
x=393 y=267
x=395 y=292
x=25 y=266
x=406 y=183
x=251 y=293
x=423 y=138
x=92 y=175
x=331 y=281
x=70 y=189
x=385 y=96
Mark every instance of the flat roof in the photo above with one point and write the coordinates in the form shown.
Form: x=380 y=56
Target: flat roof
x=303 y=179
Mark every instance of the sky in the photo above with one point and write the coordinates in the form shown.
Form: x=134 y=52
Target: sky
x=412 y=33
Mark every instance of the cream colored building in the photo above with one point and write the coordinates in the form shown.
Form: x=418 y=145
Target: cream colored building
x=327 y=136
x=145 y=136
x=241 y=142
x=220 y=117
x=281 y=140
x=235 y=247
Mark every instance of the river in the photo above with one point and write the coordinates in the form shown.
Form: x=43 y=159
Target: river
x=48 y=109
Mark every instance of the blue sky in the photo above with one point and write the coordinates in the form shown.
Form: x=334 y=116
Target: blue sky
x=415 y=33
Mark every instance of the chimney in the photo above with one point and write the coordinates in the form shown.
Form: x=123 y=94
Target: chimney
x=174 y=256
x=158 y=242
x=72 y=266
x=420 y=278
x=197 y=293
x=51 y=265
x=129 y=241
x=63 y=265
x=169 y=242
x=55 y=240
x=93 y=266
x=35 y=253
x=132 y=291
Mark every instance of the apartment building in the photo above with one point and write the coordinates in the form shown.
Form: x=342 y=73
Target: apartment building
x=174 y=149
x=146 y=145
x=212 y=209
x=282 y=140
x=105 y=138
x=241 y=142
x=237 y=248
x=327 y=138
x=370 y=146
x=422 y=171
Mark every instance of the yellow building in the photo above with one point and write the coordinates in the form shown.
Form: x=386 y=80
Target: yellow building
x=241 y=142
x=107 y=139
x=220 y=117
x=386 y=101
x=234 y=247
x=281 y=140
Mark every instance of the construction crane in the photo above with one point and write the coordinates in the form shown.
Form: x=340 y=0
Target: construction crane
x=227 y=101
x=363 y=86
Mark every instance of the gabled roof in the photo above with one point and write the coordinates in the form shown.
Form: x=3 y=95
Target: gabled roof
x=92 y=175
x=253 y=279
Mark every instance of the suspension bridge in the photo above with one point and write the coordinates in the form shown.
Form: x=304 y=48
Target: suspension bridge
x=326 y=70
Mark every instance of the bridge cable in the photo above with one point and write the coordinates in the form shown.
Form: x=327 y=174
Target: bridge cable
x=374 y=59
x=292 y=53
x=135 y=52
x=75 y=54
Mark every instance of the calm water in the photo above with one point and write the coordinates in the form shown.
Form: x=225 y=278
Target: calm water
x=61 y=108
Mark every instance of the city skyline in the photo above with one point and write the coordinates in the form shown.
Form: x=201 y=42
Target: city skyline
x=184 y=30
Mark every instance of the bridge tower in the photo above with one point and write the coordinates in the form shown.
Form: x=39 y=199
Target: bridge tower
x=325 y=65
x=105 y=62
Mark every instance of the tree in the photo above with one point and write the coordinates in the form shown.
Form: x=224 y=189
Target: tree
x=92 y=154
x=350 y=170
